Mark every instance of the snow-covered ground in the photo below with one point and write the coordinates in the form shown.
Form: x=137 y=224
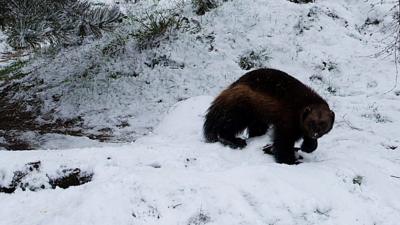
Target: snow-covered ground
x=328 y=45
x=171 y=176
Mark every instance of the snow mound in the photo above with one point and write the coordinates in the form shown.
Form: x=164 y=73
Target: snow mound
x=184 y=118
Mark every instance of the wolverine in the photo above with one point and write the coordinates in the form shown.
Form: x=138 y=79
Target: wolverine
x=268 y=97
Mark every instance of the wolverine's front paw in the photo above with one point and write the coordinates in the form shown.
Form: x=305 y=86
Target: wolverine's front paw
x=283 y=158
x=309 y=145
x=288 y=161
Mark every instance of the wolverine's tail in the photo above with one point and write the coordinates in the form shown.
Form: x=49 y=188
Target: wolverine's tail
x=209 y=127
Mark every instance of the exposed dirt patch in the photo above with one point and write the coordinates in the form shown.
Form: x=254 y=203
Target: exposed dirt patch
x=18 y=116
x=70 y=177
x=30 y=177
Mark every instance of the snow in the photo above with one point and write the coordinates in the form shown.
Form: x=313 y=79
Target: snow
x=170 y=176
x=173 y=177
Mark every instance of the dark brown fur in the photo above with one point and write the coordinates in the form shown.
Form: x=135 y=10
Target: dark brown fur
x=267 y=97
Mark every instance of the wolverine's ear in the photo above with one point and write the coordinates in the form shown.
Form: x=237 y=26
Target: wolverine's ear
x=332 y=117
x=306 y=111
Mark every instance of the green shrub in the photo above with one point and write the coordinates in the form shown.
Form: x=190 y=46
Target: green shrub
x=157 y=26
x=12 y=71
x=254 y=59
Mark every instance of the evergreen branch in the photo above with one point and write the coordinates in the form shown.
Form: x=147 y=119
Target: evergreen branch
x=37 y=23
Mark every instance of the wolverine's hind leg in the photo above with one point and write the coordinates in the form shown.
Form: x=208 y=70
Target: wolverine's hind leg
x=227 y=136
x=234 y=124
x=232 y=141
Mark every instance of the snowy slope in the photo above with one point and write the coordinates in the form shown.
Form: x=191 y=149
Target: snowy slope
x=327 y=45
x=173 y=177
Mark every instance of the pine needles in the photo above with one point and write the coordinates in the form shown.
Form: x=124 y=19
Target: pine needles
x=38 y=23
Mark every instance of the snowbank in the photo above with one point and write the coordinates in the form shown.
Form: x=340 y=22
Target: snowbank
x=173 y=177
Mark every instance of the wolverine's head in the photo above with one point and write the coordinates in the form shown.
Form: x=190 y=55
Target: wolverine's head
x=317 y=120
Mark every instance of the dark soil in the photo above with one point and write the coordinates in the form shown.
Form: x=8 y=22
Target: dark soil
x=65 y=178
x=18 y=116
x=70 y=177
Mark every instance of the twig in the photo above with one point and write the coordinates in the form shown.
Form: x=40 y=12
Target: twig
x=174 y=206
x=349 y=124
x=396 y=48
x=392 y=45
x=6 y=56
